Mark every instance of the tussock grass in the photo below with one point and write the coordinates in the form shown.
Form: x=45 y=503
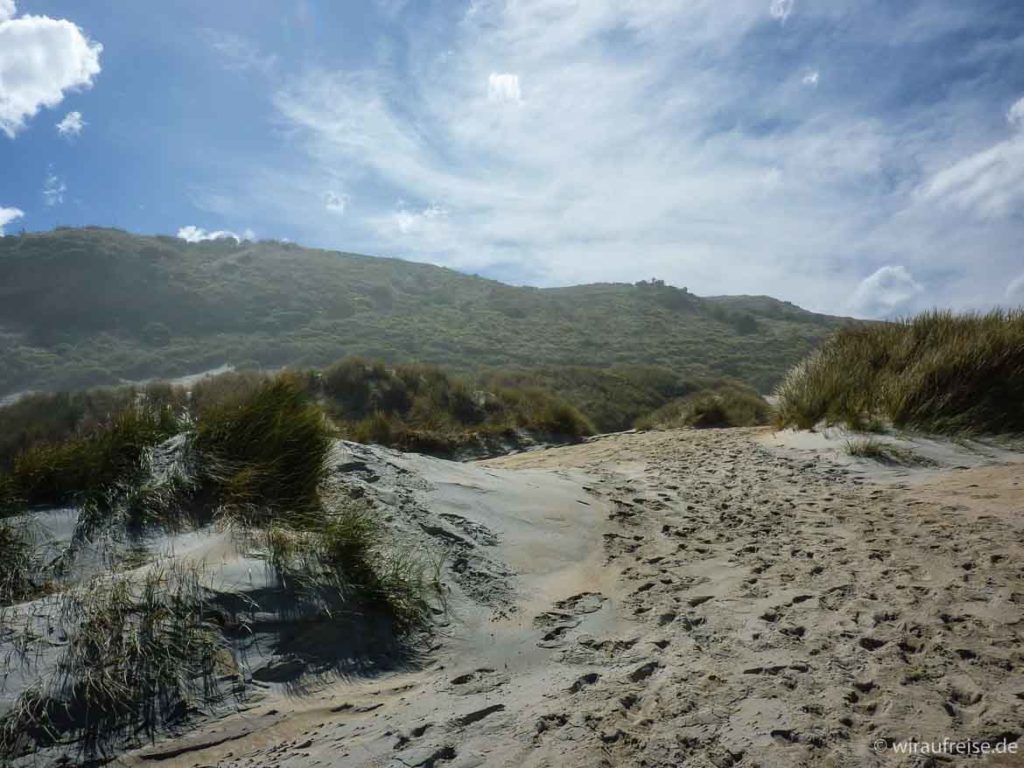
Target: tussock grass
x=265 y=451
x=938 y=372
x=728 y=405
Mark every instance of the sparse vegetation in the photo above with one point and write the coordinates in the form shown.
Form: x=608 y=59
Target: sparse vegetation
x=21 y=576
x=882 y=452
x=139 y=655
x=938 y=372
x=727 y=405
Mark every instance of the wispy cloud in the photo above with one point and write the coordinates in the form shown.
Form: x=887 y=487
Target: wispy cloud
x=41 y=59
x=608 y=140
x=990 y=183
x=53 y=190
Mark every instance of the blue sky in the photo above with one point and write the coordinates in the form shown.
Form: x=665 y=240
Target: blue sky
x=853 y=156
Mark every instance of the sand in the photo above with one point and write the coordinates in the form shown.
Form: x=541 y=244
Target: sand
x=713 y=598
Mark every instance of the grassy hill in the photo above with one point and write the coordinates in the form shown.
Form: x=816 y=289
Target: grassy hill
x=80 y=307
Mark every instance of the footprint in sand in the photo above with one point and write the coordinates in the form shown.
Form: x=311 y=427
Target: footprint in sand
x=480 y=680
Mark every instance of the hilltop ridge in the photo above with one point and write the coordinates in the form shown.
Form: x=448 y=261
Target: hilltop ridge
x=87 y=306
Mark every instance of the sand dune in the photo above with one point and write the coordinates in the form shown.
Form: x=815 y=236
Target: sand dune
x=716 y=598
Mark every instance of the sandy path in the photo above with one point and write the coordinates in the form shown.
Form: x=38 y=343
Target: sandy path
x=723 y=602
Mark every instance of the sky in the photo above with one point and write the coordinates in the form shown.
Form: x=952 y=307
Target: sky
x=860 y=157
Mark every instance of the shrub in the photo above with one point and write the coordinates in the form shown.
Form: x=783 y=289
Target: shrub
x=937 y=372
x=728 y=405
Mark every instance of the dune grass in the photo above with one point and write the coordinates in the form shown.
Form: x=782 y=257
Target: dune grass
x=729 y=404
x=423 y=408
x=938 y=372
x=21 y=575
x=345 y=561
x=138 y=655
x=264 y=450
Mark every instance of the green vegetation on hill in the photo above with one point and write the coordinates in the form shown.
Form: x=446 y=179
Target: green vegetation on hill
x=81 y=307
x=937 y=372
x=726 y=405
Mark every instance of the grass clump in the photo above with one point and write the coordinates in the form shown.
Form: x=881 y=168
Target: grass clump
x=727 y=405
x=938 y=372
x=265 y=449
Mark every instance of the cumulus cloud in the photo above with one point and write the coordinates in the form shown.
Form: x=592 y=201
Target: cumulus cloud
x=781 y=9
x=71 y=125
x=888 y=290
x=53 y=190
x=335 y=202
x=7 y=215
x=41 y=59
x=988 y=184
x=503 y=87
x=194 y=234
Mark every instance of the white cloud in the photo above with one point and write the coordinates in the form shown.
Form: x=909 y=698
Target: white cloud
x=503 y=87
x=53 y=190
x=988 y=184
x=194 y=234
x=7 y=215
x=71 y=125
x=888 y=290
x=781 y=9
x=41 y=59
x=335 y=202
x=811 y=78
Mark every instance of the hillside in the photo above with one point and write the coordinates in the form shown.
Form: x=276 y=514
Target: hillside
x=90 y=306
